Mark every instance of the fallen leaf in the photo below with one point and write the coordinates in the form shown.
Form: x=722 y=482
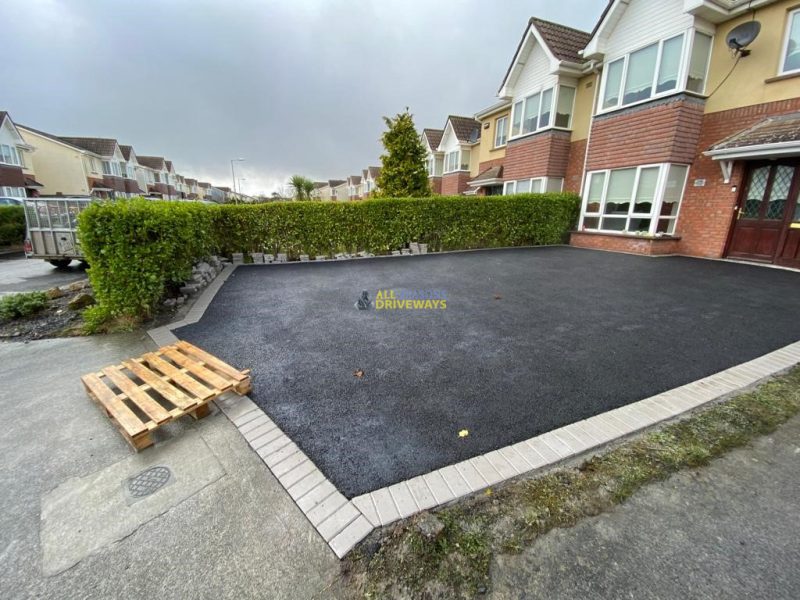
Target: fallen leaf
x=463 y=433
x=488 y=491
x=498 y=297
x=358 y=373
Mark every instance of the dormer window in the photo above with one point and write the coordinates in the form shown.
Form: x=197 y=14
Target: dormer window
x=535 y=112
x=656 y=70
x=9 y=155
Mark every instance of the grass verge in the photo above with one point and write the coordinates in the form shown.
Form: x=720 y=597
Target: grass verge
x=400 y=561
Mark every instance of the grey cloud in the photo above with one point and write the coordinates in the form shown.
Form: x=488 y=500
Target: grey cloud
x=294 y=86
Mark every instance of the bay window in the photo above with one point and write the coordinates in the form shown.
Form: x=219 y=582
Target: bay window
x=500 y=132
x=13 y=192
x=111 y=168
x=657 y=69
x=457 y=160
x=9 y=155
x=642 y=199
x=535 y=112
x=790 y=62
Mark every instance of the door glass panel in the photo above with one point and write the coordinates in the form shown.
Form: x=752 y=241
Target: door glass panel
x=779 y=192
x=755 y=192
x=797 y=209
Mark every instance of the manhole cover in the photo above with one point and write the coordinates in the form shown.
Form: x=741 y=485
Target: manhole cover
x=148 y=481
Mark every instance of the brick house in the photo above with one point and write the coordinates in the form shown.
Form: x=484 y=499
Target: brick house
x=692 y=147
x=369 y=181
x=487 y=174
x=461 y=136
x=16 y=166
x=431 y=138
x=542 y=84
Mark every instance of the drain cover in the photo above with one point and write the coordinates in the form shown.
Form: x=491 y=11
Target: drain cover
x=148 y=481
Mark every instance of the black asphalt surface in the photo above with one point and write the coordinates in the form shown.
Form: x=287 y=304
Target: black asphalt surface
x=532 y=339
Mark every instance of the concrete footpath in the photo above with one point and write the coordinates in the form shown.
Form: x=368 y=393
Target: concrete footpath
x=222 y=527
x=729 y=530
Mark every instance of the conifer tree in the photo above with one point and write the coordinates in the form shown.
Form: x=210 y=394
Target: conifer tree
x=403 y=171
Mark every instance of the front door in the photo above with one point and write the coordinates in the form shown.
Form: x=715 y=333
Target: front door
x=789 y=245
x=764 y=211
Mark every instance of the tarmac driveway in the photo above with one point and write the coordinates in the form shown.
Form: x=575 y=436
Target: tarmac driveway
x=530 y=340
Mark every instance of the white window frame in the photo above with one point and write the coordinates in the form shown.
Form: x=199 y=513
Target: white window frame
x=655 y=210
x=795 y=13
x=501 y=128
x=683 y=71
x=544 y=183
x=459 y=153
x=13 y=192
x=13 y=155
x=522 y=103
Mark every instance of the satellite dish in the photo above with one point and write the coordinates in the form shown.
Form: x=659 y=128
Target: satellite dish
x=742 y=36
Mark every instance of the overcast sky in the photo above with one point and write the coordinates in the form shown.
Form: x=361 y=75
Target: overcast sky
x=292 y=86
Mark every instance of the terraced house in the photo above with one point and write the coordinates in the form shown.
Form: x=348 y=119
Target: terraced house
x=461 y=135
x=16 y=167
x=694 y=141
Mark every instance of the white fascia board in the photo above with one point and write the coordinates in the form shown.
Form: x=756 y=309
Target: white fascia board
x=756 y=151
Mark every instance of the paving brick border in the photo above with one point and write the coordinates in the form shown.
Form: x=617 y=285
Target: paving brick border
x=343 y=523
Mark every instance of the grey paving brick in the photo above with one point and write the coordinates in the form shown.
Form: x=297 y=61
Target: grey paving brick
x=384 y=504
x=422 y=495
x=516 y=459
x=265 y=438
x=530 y=454
x=285 y=466
x=367 y=508
x=316 y=495
x=326 y=508
x=438 y=487
x=299 y=472
x=246 y=426
x=548 y=453
x=259 y=430
x=350 y=536
x=572 y=441
x=612 y=426
x=454 y=481
x=335 y=523
x=654 y=412
x=303 y=486
x=599 y=430
x=668 y=403
x=403 y=499
x=500 y=464
x=273 y=446
x=487 y=472
x=279 y=455
x=239 y=409
x=470 y=474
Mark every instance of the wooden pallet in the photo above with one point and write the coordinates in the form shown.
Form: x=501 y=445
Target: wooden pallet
x=141 y=394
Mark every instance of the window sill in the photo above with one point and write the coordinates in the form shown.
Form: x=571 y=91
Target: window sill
x=522 y=136
x=610 y=111
x=633 y=236
x=783 y=77
x=496 y=148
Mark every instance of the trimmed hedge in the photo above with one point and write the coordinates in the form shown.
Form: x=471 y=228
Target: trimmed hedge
x=137 y=247
x=12 y=225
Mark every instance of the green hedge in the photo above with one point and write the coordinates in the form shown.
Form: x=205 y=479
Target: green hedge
x=137 y=247
x=12 y=225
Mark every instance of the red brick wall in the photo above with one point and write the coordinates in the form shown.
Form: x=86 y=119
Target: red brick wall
x=665 y=131
x=707 y=212
x=543 y=154
x=488 y=164
x=11 y=176
x=574 y=175
x=455 y=183
x=623 y=243
x=436 y=184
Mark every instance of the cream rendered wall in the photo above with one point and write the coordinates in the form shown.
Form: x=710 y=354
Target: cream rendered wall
x=486 y=150
x=584 y=106
x=59 y=168
x=750 y=81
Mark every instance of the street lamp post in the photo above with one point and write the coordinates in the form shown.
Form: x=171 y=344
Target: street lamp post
x=233 y=173
x=241 y=179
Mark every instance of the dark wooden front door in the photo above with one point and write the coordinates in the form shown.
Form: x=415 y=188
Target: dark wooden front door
x=766 y=208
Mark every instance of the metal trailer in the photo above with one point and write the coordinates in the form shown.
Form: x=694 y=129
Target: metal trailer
x=53 y=228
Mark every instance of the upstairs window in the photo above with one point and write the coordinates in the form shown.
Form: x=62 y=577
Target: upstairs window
x=500 y=132
x=9 y=155
x=457 y=160
x=656 y=70
x=791 y=48
x=535 y=112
